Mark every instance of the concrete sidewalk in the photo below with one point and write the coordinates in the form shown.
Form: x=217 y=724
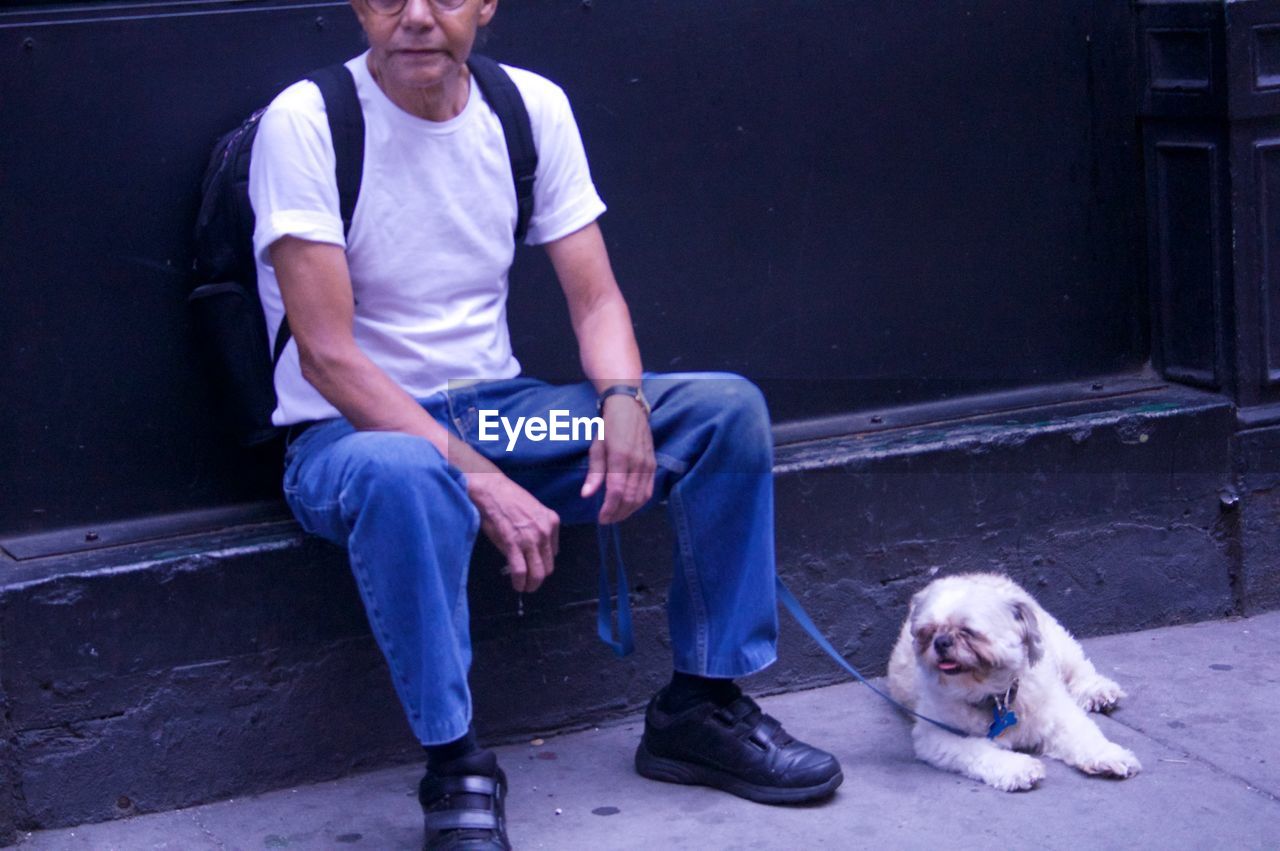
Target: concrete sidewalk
x=1202 y=716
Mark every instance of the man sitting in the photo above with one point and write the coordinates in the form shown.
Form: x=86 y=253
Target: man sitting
x=400 y=339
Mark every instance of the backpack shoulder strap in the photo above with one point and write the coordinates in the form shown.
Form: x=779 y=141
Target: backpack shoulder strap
x=346 y=127
x=501 y=93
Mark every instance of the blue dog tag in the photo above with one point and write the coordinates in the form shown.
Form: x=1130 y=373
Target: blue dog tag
x=1001 y=720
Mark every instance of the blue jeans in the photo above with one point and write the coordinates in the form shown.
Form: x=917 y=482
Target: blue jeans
x=403 y=514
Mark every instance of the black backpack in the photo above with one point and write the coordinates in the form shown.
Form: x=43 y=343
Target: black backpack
x=227 y=313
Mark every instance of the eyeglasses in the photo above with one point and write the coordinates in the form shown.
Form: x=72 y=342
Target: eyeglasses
x=395 y=7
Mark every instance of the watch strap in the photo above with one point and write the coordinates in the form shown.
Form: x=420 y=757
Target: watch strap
x=623 y=390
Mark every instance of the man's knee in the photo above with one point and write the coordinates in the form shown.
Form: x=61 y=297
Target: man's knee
x=723 y=414
x=730 y=402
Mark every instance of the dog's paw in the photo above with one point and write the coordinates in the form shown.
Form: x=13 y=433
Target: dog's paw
x=1099 y=694
x=1014 y=772
x=1114 y=761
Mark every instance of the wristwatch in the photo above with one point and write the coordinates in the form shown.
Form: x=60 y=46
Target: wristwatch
x=623 y=390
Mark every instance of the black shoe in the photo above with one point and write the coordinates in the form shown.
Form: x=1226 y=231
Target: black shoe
x=463 y=805
x=736 y=748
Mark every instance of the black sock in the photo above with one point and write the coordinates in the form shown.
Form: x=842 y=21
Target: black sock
x=688 y=690
x=449 y=751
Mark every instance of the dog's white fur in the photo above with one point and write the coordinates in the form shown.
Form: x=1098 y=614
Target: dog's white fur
x=1000 y=635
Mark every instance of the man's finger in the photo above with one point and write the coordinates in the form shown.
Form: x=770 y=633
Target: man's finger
x=537 y=569
x=638 y=487
x=625 y=503
x=518 y=569
x=594 y=479
x=595 y=470
x=548 y=563
x=614 y=489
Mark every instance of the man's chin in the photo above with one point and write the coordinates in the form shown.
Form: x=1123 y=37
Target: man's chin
x=420 y=70
x=416 y=57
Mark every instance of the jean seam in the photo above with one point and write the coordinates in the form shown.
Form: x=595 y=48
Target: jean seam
x=743 y=665
x=399 y=680
x=321 y=508
x=672 y=463
x=689 y=573
x=460 y=409
x=456 y=726
x=305 y=512
x=473 y=528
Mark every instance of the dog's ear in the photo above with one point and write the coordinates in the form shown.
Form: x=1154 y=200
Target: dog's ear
x=1025 y=615
x=917 y=600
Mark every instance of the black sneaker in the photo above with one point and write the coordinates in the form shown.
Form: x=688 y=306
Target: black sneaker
x=736 y=748
x=463 y=805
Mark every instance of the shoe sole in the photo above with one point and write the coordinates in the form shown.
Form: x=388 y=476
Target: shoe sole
x=690 y=774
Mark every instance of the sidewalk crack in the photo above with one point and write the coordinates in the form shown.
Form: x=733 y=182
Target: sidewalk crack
x=1197 y=758
x=209 y=834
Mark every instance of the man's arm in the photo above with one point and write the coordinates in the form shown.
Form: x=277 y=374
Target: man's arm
x=316 y=287
x=623 y=462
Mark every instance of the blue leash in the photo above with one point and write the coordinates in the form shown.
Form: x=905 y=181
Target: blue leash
x=802 y=617
x=624 y=643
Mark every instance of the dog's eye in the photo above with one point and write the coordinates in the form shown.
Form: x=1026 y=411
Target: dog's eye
x=966 y=632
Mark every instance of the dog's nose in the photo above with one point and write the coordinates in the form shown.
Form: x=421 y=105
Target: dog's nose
x=943 y=643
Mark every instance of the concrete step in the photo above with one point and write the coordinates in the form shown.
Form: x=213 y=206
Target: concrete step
x=159 y=673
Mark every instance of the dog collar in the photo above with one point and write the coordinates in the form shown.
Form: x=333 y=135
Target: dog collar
x=1002 y=715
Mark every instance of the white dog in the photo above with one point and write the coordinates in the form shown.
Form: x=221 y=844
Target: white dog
x=976 y=653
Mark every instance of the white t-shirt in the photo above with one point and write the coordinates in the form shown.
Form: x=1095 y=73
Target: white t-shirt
x=432 y=236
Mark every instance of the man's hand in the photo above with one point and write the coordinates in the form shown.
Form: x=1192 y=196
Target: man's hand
x=623 y=461
x=523 y=529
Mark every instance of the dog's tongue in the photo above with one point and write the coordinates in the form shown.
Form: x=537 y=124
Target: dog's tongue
x=947 y=666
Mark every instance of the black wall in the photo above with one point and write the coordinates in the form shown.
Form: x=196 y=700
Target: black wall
x=855 y=203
